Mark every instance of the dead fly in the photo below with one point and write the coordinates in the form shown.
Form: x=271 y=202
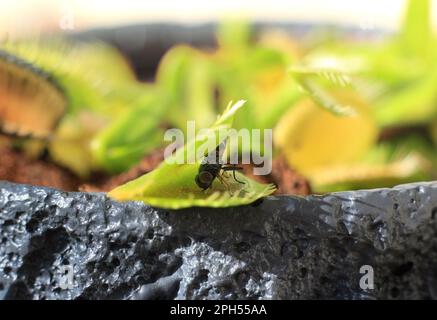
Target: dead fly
x=212 y=167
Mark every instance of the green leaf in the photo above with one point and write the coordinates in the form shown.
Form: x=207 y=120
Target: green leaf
x=173 y=185
x=186 y=77
x=95 y=76
x=286 y=97
x=416 y=29
x=413 y=103
x=234 y=34
x=126 y=140
x=314 y=82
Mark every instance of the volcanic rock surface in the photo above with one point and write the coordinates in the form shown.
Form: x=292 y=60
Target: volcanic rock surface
x=283 y=247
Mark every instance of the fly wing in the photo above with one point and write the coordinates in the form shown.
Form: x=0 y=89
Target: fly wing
x=216 y=156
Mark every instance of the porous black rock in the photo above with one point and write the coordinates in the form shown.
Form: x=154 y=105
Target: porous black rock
x=280 y=248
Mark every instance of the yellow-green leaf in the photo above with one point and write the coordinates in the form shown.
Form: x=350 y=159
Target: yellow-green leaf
x=173 y=186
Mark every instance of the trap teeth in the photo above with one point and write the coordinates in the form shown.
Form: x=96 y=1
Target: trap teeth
x=31 y=101
x=14 y=130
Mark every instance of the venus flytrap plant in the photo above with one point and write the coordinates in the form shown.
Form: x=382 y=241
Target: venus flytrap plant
x=326 y=130
x=89 y=73
x=402 y=67
x=404 y=160
x=395 y=163
x=310 y=81
x=111 y=121
x=398 y=79
x=331 y=127
x=127 y=139
x=172 y=184
x=186 y=78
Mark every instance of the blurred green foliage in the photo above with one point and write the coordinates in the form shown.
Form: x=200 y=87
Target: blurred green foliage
x=346 y=113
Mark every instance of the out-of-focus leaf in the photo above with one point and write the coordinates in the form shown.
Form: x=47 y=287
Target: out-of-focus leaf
x=312 y=137
x=28 y=93
x=379 y=62
x=199 y=83
x=94 y=75
x=255 y=71
x=281 y=42
x=400 y=160
x=314 y=82
x=283 y=99
x=400 y=147
x=71 y=145
x=186 y=76
x=199 y=105
x=171 y=72
x=234 y=34
x=432 y=129
x=126 y=140
x=362 y=175
x=173 y=185
x=414 y=103
x=416 y=30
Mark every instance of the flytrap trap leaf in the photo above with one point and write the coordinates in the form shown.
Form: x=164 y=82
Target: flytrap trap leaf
x=31 y=101
x=173 y=185
x=314 y=81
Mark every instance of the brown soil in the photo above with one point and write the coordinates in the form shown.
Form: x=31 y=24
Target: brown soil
x=148 y=163
x=287 y=180
x=16 y=167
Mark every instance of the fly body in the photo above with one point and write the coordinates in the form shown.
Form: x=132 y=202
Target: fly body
x=212 y=167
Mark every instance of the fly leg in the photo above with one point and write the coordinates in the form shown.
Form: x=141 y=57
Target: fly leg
x=233 y=169
x=225 y=183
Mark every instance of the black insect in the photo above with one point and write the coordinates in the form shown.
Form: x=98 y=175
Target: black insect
x=212 y=167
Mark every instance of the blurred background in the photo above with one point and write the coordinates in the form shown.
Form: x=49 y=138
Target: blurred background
x=349 y=87
x=30 y=17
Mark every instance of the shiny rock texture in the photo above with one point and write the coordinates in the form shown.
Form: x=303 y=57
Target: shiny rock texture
x=280 y=248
